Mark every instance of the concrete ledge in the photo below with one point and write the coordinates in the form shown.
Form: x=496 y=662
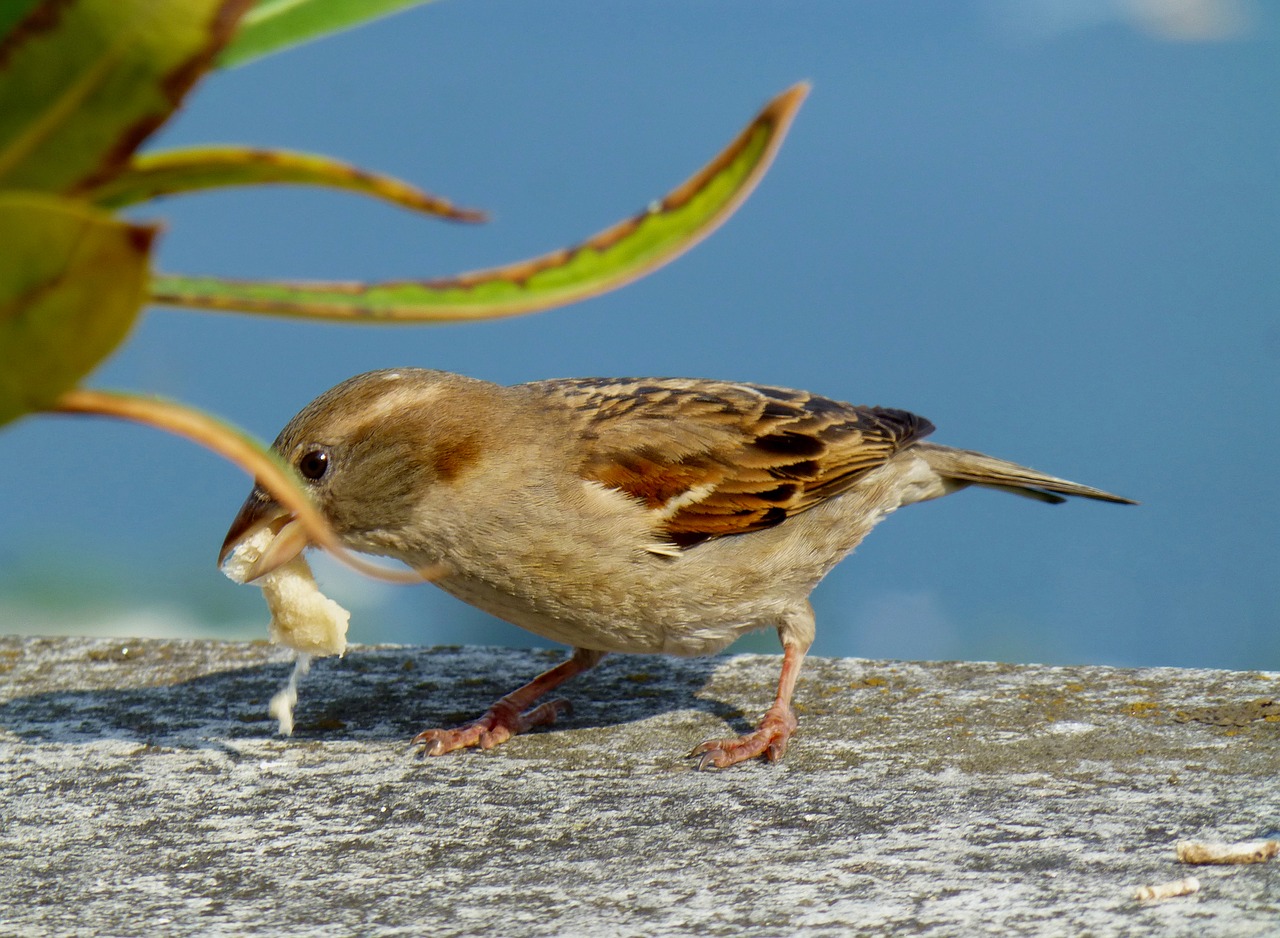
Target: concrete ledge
x=144 y=792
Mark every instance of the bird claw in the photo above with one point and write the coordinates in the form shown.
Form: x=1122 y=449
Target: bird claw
x=770 y=741
x=498 y=724
x=705 y=762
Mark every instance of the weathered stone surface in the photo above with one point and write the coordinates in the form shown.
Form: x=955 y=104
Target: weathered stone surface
x=144 y=791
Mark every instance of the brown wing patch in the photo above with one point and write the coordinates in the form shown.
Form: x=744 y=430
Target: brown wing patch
x=652 y=480
x=713 y=459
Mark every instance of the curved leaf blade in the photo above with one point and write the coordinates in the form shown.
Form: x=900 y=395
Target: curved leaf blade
x=72 y=281
x=84 y=82
x=173 y=172
x=233 y=444
x=610 y=259
x=275 y=25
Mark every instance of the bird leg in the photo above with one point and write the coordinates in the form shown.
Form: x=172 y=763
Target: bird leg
x=771 y=737
x=510 y=716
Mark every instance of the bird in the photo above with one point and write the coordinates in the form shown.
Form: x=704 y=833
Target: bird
x=617 y=515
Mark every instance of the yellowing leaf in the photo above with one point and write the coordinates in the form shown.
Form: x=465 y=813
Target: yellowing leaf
x=176 y=171
x=84 y=82
x=72 y=281
x=610 y=259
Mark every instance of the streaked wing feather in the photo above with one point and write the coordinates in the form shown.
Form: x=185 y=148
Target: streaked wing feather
x=715 y=459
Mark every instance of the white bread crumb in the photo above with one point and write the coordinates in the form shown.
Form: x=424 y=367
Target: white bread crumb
x=302 y=617
x=1179 y=887
x=282 y=704
x=1250 y=851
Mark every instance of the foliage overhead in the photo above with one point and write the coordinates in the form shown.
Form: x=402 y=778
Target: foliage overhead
x=84 y=84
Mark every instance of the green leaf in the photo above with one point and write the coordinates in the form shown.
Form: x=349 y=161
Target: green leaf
x=11 y=11
x=176 y=171
x=273 y=25
x=608 y=260
x=72 y=281
x=84 y=82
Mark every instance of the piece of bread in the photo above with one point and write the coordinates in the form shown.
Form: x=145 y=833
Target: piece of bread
x=302 y=617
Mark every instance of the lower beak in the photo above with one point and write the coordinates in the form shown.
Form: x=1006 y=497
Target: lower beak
x=259 y=512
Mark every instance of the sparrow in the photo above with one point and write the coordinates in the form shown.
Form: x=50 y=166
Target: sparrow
x=637 y=515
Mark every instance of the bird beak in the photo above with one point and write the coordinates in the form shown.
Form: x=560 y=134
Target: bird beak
x=260 y=511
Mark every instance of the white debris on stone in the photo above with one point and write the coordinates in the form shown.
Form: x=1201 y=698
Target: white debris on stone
x=1249 y=851
x=1179 y=887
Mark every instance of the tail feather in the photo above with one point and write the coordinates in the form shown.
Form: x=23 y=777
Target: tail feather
x=969 y=468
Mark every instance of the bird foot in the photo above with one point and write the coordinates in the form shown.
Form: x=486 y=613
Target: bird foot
x=500 y=723
x=770 y=741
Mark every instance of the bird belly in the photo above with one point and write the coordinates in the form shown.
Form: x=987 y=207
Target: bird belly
x=643 y=618
x=609 y=597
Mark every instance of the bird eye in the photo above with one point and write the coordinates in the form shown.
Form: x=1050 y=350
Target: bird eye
x=313 y=464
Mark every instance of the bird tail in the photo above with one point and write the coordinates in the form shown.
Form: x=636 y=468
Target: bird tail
x=962 y=467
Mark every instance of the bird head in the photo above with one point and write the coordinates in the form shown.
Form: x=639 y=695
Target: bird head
x=369 y=451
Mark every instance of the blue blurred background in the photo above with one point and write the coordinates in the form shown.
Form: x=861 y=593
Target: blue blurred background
x=1050 y=226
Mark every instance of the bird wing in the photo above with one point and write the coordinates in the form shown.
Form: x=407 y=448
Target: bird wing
x=713 y=459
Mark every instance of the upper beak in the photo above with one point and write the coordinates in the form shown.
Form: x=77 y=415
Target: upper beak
x=260 y=511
